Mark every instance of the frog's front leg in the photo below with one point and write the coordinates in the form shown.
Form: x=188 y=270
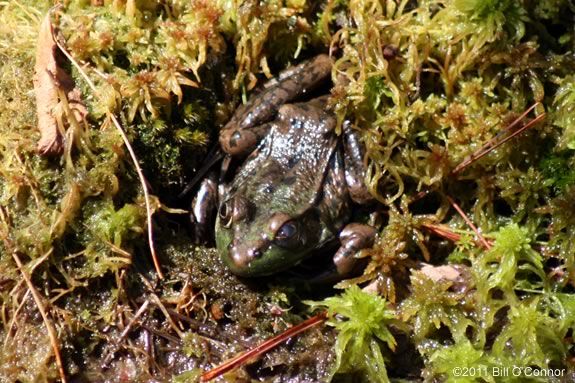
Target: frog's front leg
x=249 y=124
x=354 y=154
x=353 y=238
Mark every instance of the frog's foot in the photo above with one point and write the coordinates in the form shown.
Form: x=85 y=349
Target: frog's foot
x=353 y=237
x=204 y=206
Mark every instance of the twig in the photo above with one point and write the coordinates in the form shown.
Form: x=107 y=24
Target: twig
x=49 y=325
x=494 y=144
x=14 y=318
x=124 y=333
x=133 y=157
x=469 y=223
x=442 y=232
x=237 y=361
x=139 y=313
x=163 y=309
x=161 y=334
x=37 y=262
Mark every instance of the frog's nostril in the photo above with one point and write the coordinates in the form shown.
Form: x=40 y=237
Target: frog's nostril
x=240 y=257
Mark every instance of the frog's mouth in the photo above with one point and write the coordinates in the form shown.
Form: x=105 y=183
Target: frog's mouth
x=255 y=263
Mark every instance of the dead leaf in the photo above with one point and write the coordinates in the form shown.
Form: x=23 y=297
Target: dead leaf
x=437 y=273
x=50 y=82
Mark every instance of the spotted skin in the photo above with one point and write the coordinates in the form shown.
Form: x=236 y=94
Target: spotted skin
x=291 y=196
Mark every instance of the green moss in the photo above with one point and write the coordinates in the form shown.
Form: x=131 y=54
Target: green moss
x=511 y=254
x=530 y=336
x=188 y=376
x=491 y=15
x=362 y=321
x=558 y=169
x=432 y=305
x=565 y=111
x=448 y=360
x=426 y=84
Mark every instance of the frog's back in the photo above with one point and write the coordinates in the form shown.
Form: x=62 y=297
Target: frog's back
x=291 y=162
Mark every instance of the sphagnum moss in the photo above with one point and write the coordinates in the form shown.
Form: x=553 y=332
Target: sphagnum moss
x=425 y=82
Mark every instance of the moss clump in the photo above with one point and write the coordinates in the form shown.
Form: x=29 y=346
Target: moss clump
x=362 y=321
x=460 y=73
x=426 y=83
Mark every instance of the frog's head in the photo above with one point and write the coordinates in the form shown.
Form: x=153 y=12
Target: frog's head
x=256 y=241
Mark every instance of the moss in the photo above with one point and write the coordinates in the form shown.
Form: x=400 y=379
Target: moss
x=432 y=305
x=446 y=361
x=28 y=355
x=565 y=115
x=511 y=254
x=426 y=84
x=558 y=170
x=529 y=336
x=362 y=321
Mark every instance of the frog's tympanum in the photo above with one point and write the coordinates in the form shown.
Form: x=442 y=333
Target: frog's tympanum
x=292 y=195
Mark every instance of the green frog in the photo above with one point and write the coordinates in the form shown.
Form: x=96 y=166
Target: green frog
x=292 y=195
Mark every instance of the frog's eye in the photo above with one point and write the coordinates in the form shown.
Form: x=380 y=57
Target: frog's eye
x=287 y=235
x=226 y=214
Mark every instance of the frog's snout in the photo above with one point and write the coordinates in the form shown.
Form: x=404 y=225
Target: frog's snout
x=242 y=256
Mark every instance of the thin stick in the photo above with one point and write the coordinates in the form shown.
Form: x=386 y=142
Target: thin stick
x=442 y=232
x=163 y=309
x=240 y=359
x=129 y=327
x=146 y=195
x=49 y=326
x=14 y=318
x=37 y=263
x=493 y=143
x=518 y=131
x=469 y=223
x=143 y=182
x=139 y=313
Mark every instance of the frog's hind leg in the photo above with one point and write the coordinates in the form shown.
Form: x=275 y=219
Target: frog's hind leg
x=355 y=168
x=240 y=142
x=336 y=210
x=262 y=108
x=354 y=236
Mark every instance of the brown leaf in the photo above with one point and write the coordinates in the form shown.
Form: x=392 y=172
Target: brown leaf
x=437 y=273
x=49 y=79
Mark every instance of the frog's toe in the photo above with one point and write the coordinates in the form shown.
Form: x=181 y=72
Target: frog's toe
x=353 y=238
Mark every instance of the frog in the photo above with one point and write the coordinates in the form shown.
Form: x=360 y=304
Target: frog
x=293 y=194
